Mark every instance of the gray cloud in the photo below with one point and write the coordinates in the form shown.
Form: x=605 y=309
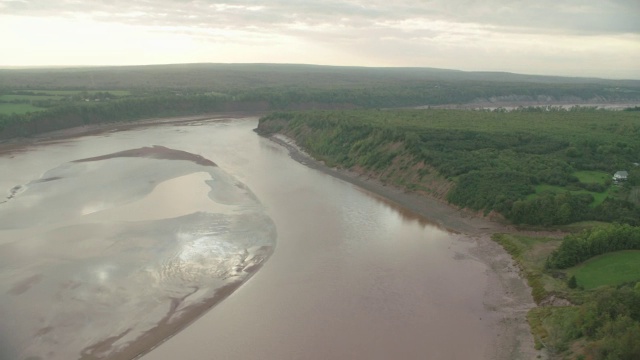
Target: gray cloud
x=577 y=37
x=291 y=16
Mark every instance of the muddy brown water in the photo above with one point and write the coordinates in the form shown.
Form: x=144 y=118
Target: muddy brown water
x=96 y=254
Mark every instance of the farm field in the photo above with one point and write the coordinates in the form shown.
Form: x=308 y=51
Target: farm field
x=75 y=92
x=14 y=97
x=25 y=101
x=598 y=197
x=597 y=177
x=608 y=269
x=10 y=108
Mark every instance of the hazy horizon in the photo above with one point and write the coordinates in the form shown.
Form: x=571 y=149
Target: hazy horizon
x=574 y=38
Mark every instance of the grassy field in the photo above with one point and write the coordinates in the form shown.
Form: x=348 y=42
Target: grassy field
x=26 y=101
x=597 y=177
x=608 y=269
x=75 y=92
x=12 y=97
x=598 y=198
x=587 y=177
x=8 y=109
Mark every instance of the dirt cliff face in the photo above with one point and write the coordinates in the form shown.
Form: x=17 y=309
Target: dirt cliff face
x=403 y=170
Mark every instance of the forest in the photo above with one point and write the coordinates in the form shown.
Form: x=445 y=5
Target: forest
x=40 y=100
x=532 y=166
x=242 y=77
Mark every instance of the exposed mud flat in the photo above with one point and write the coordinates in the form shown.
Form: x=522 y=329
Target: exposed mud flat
x=104 y=257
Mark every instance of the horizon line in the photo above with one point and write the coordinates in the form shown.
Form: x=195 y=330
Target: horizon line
x=78 y=66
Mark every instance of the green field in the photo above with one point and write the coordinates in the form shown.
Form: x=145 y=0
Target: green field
x=9 y=109
x=597 y=177
x=608 y=269
x=25 y=101
x=598 y=198
x=12 y=97
x=75 y=92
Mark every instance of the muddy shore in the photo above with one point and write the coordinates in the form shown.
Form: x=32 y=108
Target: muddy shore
x=507 y=293
x=16 y=143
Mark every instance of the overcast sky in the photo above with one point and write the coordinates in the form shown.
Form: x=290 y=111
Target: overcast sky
x=557 y=37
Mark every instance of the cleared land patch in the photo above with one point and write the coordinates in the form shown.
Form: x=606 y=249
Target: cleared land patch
x=75 y=92
x=598 y=198
x=608 y=269
x=26 y=101
x=15 y=97
x=10 y=108
x=598 y=177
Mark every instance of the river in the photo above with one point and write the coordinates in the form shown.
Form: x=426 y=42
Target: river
x=112 y=242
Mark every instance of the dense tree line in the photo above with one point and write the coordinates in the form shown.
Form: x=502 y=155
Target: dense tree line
x=493 y=190
x=287 y=87
x=417 y=94
x=576 y=248
x=78 y=114
x=243 y=77
x=495 y=159
x=551 y=209
x=166 y=102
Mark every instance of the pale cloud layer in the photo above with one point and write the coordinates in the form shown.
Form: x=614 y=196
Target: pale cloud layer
x=568 y=37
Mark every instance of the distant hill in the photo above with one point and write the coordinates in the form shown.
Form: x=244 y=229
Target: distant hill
x=37 y=100
x=226 y=77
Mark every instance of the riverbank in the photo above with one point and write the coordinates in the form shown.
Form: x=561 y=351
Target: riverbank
x=9 y=144
x=507 y=293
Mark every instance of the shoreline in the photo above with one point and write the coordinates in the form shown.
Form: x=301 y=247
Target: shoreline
x=7 y=145
x=507 y=293
x=429 y=209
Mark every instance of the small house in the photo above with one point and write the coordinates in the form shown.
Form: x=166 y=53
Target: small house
x=620 y=176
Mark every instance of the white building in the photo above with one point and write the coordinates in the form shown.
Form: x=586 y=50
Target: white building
x=620 y=176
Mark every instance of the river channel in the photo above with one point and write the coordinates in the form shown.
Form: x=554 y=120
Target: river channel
x=112 y=243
